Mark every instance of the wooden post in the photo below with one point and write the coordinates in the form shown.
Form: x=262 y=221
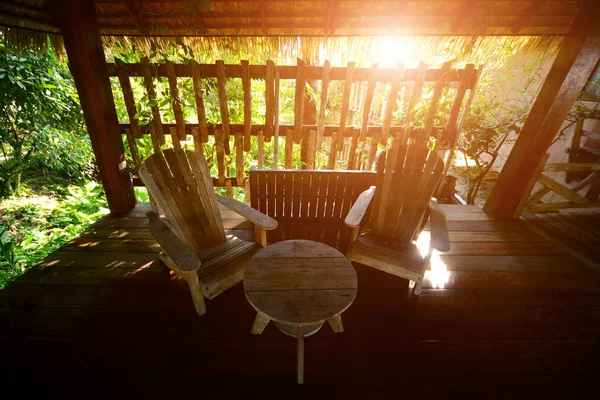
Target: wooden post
x=79 y=28
x=574 y=63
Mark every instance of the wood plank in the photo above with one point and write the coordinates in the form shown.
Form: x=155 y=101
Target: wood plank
x=128 y=98
x=391 y=103
x=290 y=72
x=108 y=260
x=116 y=233
x=594 y=190
x=239 y=157
x=561 y=240
x=261 y=150
x=297 y=195
x=486 y=299
x=289 y=148
x=345 y=106
x=415 y=96
x=560 y=221
x=352 y=153
x=311 y=149
x=465 y=84
x=522 y=263
x=247 y=103
x=333 y=274
x=270 y=194
x=562 y=190
x=156 y=127
x=175 y=296
x=323 y=104
x=200 y=108
x=276 y=135
x=366 y=115
x=560 y=167
x=435 y=100
x=332 y=150
x=220 y=145
x=207 y=193
x=499 y=237
x=135 y=155
x=513 y=280
x=533 y=248
x=270 y=98
x=176 y=102
x=222 y=92
x=299 y=100
x=306 y=191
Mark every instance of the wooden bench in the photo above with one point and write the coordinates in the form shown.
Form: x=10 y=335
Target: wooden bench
x=308 y=204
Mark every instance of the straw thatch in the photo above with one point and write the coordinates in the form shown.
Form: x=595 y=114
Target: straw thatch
x=339 y=50
x=303 y=28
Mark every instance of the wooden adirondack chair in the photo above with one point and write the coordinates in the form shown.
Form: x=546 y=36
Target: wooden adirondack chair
x=407 y=176
x=193 y=239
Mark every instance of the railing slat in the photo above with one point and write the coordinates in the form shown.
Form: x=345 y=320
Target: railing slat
x=222 y=89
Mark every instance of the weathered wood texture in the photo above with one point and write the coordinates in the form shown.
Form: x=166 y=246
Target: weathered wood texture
x=308 y=204
x=351 y=139
x=577 y=58
x=581 y=195
x=507 y=321
x=78 y=23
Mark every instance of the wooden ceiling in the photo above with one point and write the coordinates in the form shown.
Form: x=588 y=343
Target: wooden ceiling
x=310 y=17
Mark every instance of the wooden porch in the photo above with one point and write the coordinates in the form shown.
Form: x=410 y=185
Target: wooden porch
x=518 y=314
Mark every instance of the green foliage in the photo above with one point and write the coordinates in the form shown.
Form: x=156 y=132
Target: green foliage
x=41 y=123
x=41 y=224
x=8 y=260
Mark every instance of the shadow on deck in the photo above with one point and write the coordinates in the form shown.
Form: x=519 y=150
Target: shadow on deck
x=518 y=314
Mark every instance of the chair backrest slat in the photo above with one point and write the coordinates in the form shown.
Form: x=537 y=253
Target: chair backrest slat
x=407 y=176
x=180 y=182
x=308 y=204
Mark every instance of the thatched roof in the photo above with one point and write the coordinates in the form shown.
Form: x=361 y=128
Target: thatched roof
x=298 y=25
x=310 y=17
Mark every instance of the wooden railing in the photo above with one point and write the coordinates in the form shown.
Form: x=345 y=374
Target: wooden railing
x=585 y=194
x=352 y=147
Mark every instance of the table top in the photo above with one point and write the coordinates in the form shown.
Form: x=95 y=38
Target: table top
x=300 y=282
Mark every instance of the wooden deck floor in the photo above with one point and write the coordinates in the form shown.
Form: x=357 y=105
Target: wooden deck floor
x=101 y=316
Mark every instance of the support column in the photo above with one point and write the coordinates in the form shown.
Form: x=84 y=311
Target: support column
x=80 y=32
x=576 y=59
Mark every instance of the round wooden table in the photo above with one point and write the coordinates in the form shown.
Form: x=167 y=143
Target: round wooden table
x=299 y=284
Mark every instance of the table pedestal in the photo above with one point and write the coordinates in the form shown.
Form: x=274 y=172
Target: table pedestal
x=292 y=330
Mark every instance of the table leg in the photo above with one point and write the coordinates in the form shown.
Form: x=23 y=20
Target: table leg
x=260 y=323
x=300 y=354
x=336 y=323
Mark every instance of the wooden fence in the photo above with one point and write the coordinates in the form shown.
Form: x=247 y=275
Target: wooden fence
x=590 y=186
x=350 y=147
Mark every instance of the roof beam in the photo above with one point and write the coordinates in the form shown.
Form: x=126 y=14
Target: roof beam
x=133 y=13
x=466 y=13
x=332 y=16
x=263 y=16
x=200 y=24
x=529 y=12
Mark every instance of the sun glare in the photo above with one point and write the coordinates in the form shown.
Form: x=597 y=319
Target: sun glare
x=438 y=273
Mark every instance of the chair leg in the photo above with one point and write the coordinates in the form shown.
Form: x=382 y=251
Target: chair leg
x=417 y=288
x=336 y=323
x=196 y=291
x=191 y=277
x=260 y=323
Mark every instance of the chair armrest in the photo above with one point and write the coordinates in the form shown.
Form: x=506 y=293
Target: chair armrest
x=252 y=215
x=359 y=209
x=179 y=252
x=438 y=227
